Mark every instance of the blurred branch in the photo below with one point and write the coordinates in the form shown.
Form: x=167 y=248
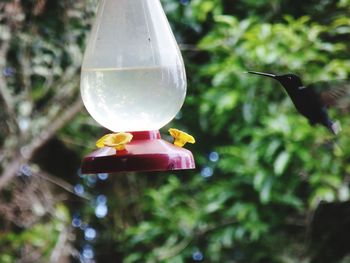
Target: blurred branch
x=66 y=89
x=24 y=154
x=61 y=183
x=5 y=93
x=26 y=68
x=62 y=249
x=55 y=125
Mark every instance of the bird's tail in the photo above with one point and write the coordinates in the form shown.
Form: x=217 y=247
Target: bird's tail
x=334 y=127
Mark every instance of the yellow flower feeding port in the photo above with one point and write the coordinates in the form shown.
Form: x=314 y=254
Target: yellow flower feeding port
x=115 y=140
x=180 y=137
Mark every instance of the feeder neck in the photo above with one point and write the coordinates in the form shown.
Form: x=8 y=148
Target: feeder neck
x=145 y=135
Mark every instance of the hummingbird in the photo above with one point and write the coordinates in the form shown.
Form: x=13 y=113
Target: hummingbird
x=308 y=102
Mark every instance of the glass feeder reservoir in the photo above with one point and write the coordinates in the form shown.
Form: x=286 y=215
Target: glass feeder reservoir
x=133 y=80
x=133 y=77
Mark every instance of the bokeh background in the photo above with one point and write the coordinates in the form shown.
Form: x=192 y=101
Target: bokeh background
x=268 y=187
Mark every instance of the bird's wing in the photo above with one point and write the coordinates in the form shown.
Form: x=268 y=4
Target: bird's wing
x=333 y=93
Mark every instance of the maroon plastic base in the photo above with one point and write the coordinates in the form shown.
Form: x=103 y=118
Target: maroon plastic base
x=146 y=152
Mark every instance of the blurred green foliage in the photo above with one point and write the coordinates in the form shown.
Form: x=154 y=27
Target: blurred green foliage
x=262 y=170
x=37 y=242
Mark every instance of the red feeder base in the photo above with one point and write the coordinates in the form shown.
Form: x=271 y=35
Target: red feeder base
x=146 y=152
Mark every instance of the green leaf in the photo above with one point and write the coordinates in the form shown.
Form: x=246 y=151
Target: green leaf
x=281 y=162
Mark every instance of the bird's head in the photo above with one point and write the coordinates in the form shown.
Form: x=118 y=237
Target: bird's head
x=289 y=81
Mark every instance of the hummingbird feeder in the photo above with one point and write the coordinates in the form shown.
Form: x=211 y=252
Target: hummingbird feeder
x=133 y=82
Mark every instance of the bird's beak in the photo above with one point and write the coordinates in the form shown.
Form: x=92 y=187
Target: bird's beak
x=263 y=74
